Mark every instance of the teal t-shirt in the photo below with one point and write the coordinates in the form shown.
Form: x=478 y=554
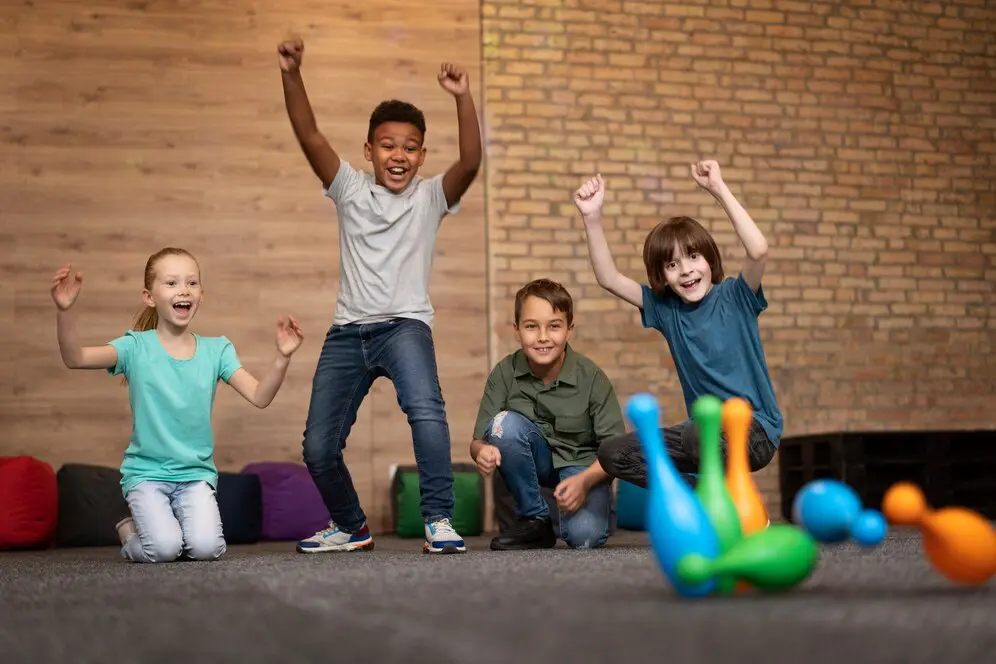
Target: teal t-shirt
x=716 y=347
x=171 y=403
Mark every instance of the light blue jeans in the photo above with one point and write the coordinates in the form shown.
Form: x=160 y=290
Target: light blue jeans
x=527 y=464
x=174 y=518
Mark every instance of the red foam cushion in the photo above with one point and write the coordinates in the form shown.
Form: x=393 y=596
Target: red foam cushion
x=29 y=503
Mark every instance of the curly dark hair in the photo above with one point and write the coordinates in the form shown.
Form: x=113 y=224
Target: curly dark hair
x=394 y=110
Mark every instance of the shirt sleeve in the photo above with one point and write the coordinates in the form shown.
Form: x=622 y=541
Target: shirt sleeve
x=346 y=183
x=492 y=403
x=228 y=360
x=745 y=298
x=606 y=415
x=125 y=347
x=650 y=311
x=436 y=198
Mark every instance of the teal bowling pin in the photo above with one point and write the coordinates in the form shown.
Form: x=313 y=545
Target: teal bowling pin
x=776 y=558
x=676 y=521
x=707 y=411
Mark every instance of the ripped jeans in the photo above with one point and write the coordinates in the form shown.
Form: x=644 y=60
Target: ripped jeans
x=527 y=465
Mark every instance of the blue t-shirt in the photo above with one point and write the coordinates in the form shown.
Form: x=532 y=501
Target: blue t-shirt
x=171 y=402
x=716 y=347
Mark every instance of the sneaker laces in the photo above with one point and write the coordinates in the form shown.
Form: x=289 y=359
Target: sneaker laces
x=443 y=527
x=328 y=531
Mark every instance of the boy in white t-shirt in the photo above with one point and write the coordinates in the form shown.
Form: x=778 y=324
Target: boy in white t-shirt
x=382 y=327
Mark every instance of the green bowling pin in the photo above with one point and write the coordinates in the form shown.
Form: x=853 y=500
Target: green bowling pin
x=777 y=558
x=711 y=488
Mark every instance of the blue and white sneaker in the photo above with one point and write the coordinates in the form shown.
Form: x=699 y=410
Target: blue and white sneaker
x=332 y=539
x=441 y=538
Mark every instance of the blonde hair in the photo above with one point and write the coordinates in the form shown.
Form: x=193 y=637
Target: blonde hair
x=148 y=317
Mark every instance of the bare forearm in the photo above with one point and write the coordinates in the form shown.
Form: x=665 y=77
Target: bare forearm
x=470 y=132
x=298 y=107
x=750 y=235
x=595 y=475
x=69 y=345
x=602 y=262
x=271 y=382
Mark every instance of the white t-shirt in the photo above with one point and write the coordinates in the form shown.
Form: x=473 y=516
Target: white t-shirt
x=387 y=243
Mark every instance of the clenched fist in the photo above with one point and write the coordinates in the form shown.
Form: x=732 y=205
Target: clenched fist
x=289 y=54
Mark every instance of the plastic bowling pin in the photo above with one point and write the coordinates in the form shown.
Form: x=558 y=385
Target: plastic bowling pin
x=777 y=558
x=676 y=522
x=737 y=416
x=958 y=542
x=711 y=486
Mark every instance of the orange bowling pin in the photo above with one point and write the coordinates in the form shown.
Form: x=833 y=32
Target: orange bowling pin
x=737 y=415
x=958 y=542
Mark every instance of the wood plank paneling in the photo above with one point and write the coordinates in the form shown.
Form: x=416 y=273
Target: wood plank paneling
x=127 y=126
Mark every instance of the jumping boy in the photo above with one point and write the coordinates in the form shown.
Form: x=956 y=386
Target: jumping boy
x=382 y=325
x=545 y=411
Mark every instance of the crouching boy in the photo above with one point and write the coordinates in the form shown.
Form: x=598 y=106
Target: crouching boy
x=546 y=408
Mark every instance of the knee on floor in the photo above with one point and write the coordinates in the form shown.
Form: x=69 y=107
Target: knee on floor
x=585 y=533
x=206 y=548
x=163 y=548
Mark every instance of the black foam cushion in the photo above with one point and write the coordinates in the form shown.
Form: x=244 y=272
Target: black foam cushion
x=90 y=505
x=240 y=501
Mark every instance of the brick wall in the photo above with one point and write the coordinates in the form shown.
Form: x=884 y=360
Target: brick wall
x=859 y=135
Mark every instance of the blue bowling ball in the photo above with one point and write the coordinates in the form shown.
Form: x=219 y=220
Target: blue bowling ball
x=869 y=528
x=826 y=509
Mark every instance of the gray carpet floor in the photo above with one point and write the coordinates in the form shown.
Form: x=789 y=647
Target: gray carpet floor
x=265 y=603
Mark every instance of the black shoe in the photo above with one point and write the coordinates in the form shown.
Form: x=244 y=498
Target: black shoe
x=536 y=533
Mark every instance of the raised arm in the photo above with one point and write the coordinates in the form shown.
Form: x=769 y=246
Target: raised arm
x=260 y=393
x=708 y=176
x=66 y=288
x=459 y=176
x=589 y=198
x=323 y=159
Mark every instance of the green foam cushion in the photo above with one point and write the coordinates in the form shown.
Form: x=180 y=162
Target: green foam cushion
x=468 y=504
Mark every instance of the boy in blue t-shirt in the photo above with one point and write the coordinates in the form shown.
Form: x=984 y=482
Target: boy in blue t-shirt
x=709 y=322
x=388 y=222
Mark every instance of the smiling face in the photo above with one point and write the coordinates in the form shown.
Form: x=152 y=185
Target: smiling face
x=396 y=154
x=688 y=275
x=175 y=289
x=543 y=333
x=682 y=259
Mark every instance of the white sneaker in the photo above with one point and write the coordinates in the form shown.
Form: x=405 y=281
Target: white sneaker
x=333 y=539
x=441 y=538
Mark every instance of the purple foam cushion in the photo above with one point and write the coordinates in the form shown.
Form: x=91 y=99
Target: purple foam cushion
x=292 y=507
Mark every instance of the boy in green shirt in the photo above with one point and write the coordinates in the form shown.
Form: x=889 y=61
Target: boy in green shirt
x=546 y=409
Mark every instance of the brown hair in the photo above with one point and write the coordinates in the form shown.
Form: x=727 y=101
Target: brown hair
x=148 y=318
x=660 y=245
x=548 y=290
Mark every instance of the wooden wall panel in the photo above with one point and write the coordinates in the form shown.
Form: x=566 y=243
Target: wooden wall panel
x=127 y=126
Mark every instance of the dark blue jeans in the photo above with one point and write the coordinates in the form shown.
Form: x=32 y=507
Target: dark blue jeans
x=527 y=464
x=352 y=358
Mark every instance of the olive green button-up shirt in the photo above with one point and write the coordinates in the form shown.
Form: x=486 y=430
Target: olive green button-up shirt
x=575 y=412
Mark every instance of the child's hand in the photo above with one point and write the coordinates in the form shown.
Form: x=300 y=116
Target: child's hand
x=571 y=493
x=290 y=53
x=589 y=196
x=66 y=287
x=488 y=458
x=453 y=79
x=707 y=175
x=289 y=336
